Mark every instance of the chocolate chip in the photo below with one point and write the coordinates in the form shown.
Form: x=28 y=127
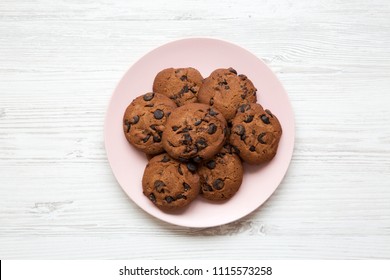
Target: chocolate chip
x=174 y=128
x=243 y=77
x=152 y=197
x=212 y=112
x=239 y=129
x=265 y=119
x=207 y=188
x=244 y=107
x=158 y=114
x=156 y=139
x=165 y=159
x=232 y=70
x=210 y=164
x=158 y=186
x=169 y=199
x=159 y=183
x=198 y=122
x=243 y=137
x=192 y=167
x=187 y=139
x=197 y=159
x=186 y=129
x=222 y=83
x=269 y=113
x=236 y=150
x=179 y=170
x=227 y=87
x=186 y=186
x=149 y=96
x=181 y=196
x=183 y=78
x=135 y=119
x=260 y=138
x=218 y=184
x=184 y=160
x=252 y=148
x=201 y=143
x=212 y=128
x=184 y=90
x=248 y=119
x=194 y=149
x=146 y=138
x=128 y=126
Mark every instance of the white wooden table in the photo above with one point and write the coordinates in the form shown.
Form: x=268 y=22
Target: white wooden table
x=60 y=62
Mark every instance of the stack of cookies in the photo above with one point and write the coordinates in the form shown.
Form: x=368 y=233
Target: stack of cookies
x=196 y=132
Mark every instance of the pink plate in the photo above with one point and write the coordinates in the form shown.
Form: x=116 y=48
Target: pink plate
x=206 y=55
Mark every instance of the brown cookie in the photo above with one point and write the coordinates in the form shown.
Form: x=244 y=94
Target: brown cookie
x=226 y=91
x=144 y=121
x=168 y=183
x=179 y=84
x=255 y=134
x=221 y=177
x=194 y=132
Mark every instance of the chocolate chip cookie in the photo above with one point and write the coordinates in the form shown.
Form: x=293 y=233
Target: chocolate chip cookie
x=226 y=91
x=255 y=134
x=144 y=121
x=168 y=183
x=179 y=84
x=194 y=132
x=221 y=177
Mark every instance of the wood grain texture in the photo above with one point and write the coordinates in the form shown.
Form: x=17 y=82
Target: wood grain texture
x=60 y=62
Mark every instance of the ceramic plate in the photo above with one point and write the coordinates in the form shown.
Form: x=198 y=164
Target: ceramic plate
x=205 y=55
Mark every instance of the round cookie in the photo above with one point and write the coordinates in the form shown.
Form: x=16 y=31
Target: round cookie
x=194 y=132
x=179 y=84
x=168 y=183
x=255 y=134
x=226 y=91
x=221 y=177
x=144 y=121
